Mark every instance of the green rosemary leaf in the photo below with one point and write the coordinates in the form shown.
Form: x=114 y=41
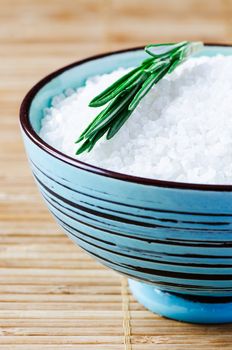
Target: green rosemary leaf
x=147 y=62
x=127 y=83
x=113 y=89
x=84 y=147
x=163 y=50
x=123 y=96
x=100 y=117
x=153 y=79
x=107 y=122
x=97 y=136
x=121 y=84
x=120 y=101
x=174 y=65
x=89 y=143
x=147 y=85
x=179 y=54
x=156 y=66
x=81 y=138
x=118 y=123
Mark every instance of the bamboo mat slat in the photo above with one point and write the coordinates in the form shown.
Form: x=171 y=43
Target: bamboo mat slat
x=52 y=294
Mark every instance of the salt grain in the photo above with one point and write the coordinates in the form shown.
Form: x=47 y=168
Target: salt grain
x=181 y=130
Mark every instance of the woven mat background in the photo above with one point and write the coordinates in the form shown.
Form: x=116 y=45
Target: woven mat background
x=52 y=294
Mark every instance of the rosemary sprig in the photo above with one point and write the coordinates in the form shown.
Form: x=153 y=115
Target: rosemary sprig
x=123 y=96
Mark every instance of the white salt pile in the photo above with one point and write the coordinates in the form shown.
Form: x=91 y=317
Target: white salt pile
x=181 y=131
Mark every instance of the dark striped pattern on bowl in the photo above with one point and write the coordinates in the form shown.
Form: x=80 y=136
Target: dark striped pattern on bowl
x=178 y=237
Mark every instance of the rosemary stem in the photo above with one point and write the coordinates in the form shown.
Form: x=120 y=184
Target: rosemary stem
x=124 y=95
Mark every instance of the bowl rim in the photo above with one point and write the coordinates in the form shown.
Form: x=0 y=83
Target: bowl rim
x=36 y=139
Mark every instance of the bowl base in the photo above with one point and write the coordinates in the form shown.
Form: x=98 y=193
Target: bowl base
x=178 y=307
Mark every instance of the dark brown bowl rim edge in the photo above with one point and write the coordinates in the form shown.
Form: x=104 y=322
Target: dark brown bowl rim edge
x=29 y=131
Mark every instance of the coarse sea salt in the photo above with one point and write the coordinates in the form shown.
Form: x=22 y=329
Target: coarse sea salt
x=181 y=130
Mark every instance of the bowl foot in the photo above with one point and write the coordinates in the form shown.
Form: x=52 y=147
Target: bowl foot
x=178 y=307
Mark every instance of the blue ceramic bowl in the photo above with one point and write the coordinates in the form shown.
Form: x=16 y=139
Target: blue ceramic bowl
x=173 y=240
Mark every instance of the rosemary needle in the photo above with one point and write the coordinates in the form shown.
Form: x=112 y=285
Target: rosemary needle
x=123 y=96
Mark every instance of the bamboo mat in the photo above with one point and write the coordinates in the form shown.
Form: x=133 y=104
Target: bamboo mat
x=52 y=294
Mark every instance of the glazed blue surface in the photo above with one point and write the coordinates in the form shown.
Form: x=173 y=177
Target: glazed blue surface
x=179 y=308
x=178 y=240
